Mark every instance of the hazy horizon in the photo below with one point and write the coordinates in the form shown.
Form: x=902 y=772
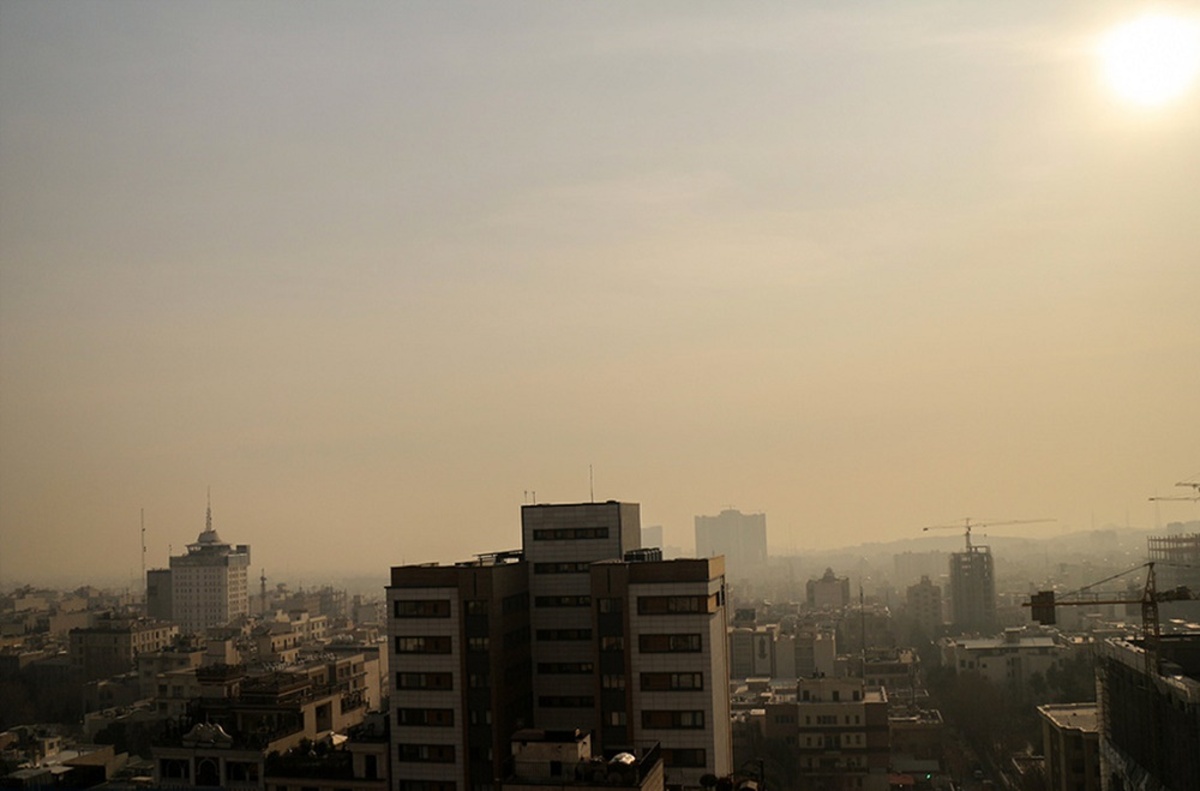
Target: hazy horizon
x=372 y=272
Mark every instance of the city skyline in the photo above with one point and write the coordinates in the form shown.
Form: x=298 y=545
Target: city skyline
x=375 y=273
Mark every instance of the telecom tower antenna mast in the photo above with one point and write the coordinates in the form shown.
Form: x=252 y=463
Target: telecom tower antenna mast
x=146 y=590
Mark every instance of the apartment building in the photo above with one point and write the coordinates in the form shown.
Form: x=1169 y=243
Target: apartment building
x=560 y=542
x=1071 y=746
x=838 y=728
x=112 y=645
x=460 y=658
x=579 y=631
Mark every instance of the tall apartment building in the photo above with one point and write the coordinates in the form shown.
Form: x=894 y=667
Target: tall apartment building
x=579 y=630
x=209 y=583
x=663 y=662
x=462 y=683
x=1149 y=718
x=973 y=591
x=924 y=602
x=560 y=543
x=741 y=538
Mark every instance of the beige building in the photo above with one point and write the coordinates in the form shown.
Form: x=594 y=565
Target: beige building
x=209 y=584
x=837 y=727
x=112 y=645
x=924 y=602
x=1071 y=746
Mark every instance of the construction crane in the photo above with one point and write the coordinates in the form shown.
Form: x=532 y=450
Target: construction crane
x=1191 y=498
x=1042 y=606
x=967 y=524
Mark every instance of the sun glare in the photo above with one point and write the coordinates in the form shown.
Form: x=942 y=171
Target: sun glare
x=1153 y=59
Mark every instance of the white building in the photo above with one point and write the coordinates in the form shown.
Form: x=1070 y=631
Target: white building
x=209 y=584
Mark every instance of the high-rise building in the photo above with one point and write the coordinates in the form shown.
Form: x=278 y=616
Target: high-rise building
x=973 y=591
x=560 y=543
x=580 y=629
x=1149 y=717
x=925 y=606
x=459 y=643
x=209 y=583
x=741 y=538
x=663 y=661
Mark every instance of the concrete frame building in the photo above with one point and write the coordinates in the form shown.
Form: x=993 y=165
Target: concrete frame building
x=973 y=591
x=829 y=592
x=924 y=602
x=1149 y=717
x=113 y=645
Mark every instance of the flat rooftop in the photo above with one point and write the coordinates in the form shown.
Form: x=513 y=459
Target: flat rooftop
x=1081 y=716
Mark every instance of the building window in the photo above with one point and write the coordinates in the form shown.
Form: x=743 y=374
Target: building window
x=683 y=757
x=676 y=605
x=612 y=681
x=663 y=682
x=672 y=719
x=477 y=643
x=422 y=608
x=441 y=718
x=425 y=681
x=569 y=533
x=423 y=645
x=617 y=719
x=612 y=643
x=669 y=643
x=561 y=568
x=610 y=604
x=426 y=753
x=566 y=701
x=562 y=601
x=550 y=635
x=476 y=606
x=565 y=668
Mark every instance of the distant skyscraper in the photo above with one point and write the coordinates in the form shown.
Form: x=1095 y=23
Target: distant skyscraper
x=652 y=536
x=973 y=590
x=741 y=538
x=209 y=584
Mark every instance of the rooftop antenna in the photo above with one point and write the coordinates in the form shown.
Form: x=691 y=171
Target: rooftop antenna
x=208 y=512
x=262 y=581
x=591 y=485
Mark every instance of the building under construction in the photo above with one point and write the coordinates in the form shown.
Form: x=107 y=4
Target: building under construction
x=1177 y=558
x=1149 y=713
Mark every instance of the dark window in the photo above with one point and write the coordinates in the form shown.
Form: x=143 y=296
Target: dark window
x=562 y=601
x=670 y=718
x=439 y=681
x=546 y=635
x=567 y=701
x=663 y=682
x=434 y=717
x=561 y=568
x=669 y=643
x=476 y=606
x=422 y=608
x=423 y=645
x=569 y=533
x=683 y=757
x=610 y=604
x=565 y=668
x=675 y=605
x=426 y=753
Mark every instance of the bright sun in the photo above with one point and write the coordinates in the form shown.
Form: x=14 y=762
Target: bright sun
x=1153 y=59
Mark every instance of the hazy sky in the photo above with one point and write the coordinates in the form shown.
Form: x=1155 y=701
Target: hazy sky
x=372 y=271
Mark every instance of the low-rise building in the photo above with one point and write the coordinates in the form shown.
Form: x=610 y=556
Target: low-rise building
x=1071 y=746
